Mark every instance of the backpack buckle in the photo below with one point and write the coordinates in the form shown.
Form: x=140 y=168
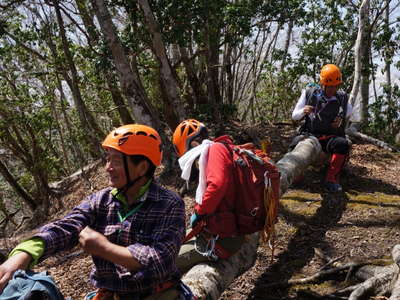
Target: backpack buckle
x=240 y=162
x=254 y=211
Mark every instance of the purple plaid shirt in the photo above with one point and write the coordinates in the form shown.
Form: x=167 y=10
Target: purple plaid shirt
x=153 y=235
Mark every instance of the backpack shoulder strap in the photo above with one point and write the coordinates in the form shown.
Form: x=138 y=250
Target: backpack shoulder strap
x=343 y=99
x=310 y=90
x=228 y=146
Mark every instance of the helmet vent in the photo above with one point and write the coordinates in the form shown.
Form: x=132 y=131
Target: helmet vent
x=152 y=136
x=190 y=131
x=122 y=140
x=146 y=134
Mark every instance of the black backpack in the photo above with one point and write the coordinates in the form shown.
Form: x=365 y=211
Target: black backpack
x=311 y=89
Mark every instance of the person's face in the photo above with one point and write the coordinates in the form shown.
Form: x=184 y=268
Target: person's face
x=115 y=168
x=330 y=91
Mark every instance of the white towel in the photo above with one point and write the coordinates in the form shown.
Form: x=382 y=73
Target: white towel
x=186 y=163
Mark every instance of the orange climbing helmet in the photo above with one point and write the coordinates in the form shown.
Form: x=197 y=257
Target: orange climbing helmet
x=135 y=139
x=330 y=75
x=185 y=133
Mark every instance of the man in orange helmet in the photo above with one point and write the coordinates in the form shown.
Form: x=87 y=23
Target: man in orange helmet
x=326 y=111
x=132 y=229
x=212 y=164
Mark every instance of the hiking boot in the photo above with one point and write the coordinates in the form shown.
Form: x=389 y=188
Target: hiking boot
x=332 y=187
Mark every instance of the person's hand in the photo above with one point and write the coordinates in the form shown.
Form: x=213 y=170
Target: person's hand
x=308 y=109
x=194 y=219
x=12 y=264
x=336 y=122
x=92 y=241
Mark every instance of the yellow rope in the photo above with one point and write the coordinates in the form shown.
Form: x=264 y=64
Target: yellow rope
x=271 y=215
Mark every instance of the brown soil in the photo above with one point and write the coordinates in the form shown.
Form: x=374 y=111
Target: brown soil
x=361 y=223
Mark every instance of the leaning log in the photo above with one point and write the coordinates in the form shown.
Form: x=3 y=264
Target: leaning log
x=294 y=163
x=354 y=134
x=209 y=280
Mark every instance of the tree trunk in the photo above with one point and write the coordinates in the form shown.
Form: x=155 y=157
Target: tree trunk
x=397 y=138
x=253 y=77
x=132 y=88
x=117 y=98
x=27 y=148
x=86 y=118
x=60 y=131
x=87 y=20
x=31 y=154
x=94 y=38
x=168 y=76
x=209 y=281
x=39 y=174
x=71 y=137
x=214 y=96
x=365 y=77
x=17 y=187
x=195 y=84
x=287 y=44
x=388 y=55
x=358 y=59
x=212 y=35
x=229 y=85
x=63 y=99
x=175 y=54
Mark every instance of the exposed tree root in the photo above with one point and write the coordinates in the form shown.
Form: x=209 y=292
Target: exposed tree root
x=378 y=285
x=378 y=281
x=385 y=280
x=396 y=279
x=317 y=276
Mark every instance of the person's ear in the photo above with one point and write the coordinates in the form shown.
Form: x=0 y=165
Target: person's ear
x=194 y=143
x=143 y=166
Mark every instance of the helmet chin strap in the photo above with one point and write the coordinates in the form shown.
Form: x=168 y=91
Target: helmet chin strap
x=129 y=182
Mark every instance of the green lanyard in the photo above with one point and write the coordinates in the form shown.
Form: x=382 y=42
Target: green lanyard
x=122 y=219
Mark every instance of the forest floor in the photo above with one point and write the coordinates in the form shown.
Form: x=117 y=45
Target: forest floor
x=361 y=223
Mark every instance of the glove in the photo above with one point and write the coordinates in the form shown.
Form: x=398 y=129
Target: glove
x=194 y=219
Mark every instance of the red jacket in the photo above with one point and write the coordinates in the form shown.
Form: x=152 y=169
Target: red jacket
x=219 y=197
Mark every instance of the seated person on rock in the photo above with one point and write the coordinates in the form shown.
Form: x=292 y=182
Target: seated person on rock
x=133 y=229
x=212 y=163
x=326 y=111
